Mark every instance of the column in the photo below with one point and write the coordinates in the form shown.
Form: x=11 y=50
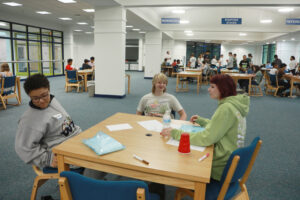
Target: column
x=110 y=35
x=167 y=45
x=68 y=44
x=141 y=54
x=153 y=53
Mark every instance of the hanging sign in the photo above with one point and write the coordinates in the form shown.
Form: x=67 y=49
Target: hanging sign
x=170 y=20
x=231 y=20
x=292 y=21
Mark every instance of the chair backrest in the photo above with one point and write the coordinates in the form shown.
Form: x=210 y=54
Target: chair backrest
x=71 y=74
x=273 y=79
x=8 y=85
x=82 y=188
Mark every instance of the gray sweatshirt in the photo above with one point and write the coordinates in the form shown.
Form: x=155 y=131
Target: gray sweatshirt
x=39 y=130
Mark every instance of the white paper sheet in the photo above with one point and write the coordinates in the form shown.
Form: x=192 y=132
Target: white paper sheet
x=151 y=125
x=118 y=127
x=176 y=143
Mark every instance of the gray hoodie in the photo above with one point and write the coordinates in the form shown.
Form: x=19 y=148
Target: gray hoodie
x=39 y=130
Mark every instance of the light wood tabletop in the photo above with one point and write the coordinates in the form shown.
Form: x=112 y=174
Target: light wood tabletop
x=85 y=73
x=237 y=76
x=166 y=164
x=186 y=74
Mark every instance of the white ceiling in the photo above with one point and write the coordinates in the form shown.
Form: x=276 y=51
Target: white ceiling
x=204 y=16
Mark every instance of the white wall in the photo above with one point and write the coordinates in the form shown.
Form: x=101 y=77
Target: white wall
x=83 y=49
x=240 y=50
x=285 y=50
x=179 y=50
x=167 y=45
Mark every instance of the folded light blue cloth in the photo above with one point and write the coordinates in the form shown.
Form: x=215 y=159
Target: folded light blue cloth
x=191 y=128
x=103 y=144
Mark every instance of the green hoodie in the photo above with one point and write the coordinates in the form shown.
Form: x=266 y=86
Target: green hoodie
x=226 y=130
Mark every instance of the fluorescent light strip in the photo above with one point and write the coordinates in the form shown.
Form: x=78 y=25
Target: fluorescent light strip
x=82 y=23
x=266 y=21
x=88 y=32
x=12 y=4
x=129 y=26
x=243 y=34
x=43 y=12
x=77 y=30
x=65 y=18
x=184 y=21
x=190 y=34
x=285 y=10
x=3 y=24
x=188 y=31
x=67 y=1
x=136 y=29
x=89 y=10
x=178 y=11
x=292 y=38
x=142 y=32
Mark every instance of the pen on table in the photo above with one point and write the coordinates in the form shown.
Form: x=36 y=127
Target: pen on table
x=203 y=157
x=140 y=159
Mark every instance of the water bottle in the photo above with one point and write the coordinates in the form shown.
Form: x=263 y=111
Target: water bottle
x=167 y=119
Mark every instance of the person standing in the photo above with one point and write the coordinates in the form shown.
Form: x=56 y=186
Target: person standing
x=276 y=61
x=192 y=61
x=293 y=65
x=230 y=61
x=168 y=57
x=234 y=61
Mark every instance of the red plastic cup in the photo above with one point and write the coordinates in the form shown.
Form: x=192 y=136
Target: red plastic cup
x=184 y=143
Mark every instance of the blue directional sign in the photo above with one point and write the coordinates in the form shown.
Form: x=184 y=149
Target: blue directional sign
x=231 y=20
x=292 y=21
x=170 y=20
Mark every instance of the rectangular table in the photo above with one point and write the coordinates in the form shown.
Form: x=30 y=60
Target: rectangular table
x=167 y=165
x=85 y=73
x=293 y=79
x=186 y=74
x=237 y=76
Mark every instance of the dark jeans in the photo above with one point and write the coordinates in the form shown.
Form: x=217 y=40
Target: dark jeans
x=286 y=85
x=245 y=84
x=293 y=71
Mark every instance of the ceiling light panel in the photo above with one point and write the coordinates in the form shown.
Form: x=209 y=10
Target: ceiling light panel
x=136 y=29
x=285 y=10
x=67 y=1
x=129 y=26
x=184 y=21
x=266 y=21
x=65 y=18
x=12 y=4
x=43 y=12
x=89 y=10
x=82 y=23
x=178 y=11
x=77 y=30
x=243 y=34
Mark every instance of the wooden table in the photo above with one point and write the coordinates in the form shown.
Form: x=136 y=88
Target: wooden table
x=293 y=79
x=169 y=69
x=193 y=70
x=237 y=76
x=19 y=88
x=226 y=71
x=85 y=73
x=128 y=85
x=167 y=165
x=186 y=74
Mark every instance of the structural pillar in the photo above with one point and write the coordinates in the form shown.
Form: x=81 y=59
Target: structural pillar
x=153 y=44
x=110 y=38
x=68 y=44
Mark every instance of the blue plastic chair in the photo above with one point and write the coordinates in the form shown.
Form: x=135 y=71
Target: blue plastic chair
x=77 y=187
x=235 y=174
x=44 y=175
x=72 y=80
x=8 y=90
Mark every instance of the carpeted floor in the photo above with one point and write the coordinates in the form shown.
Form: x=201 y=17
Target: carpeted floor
x=275 y=174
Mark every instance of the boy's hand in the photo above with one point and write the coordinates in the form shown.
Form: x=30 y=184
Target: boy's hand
x=166 y=132
x=194 y=118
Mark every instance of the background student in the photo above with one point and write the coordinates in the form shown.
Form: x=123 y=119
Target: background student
x=159 y=101
x=69 y=65
x=5 y=70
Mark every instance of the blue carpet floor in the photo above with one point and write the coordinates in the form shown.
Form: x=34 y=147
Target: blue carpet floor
x=275 y=174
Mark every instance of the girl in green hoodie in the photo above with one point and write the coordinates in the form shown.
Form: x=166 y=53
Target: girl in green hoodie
x=227 y=127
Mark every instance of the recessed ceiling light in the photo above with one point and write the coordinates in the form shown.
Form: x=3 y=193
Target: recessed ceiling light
x=65 y=18
x=285 y=10
x=292 y=38
x=12 y=4
x=136 y=29
x=266 y=21
x=67 y=1
x=188 y=31
x=129 y=26
x=184 y=21
x=88 y=32
x=89 y=10
x=243 y=34
x=77 y=30
x=92 y=26
x=3 y=24
x=267 y=43
x=43 y=12
x=178 y=11
x=142 y=32
x=82 y=23
x=190 y=34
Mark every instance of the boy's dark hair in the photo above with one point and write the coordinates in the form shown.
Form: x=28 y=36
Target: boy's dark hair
x=86 y=61
x=293 y=57
x=92 y=58
x=36 y=81
x=69 y=60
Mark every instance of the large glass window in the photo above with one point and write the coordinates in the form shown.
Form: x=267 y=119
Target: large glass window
x=30 y=50
x=269 y=50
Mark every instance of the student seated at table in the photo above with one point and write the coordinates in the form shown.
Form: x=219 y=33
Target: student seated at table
x=44 y=124
x=255 y=81
x=5 y=71
x=227 y=127
x=159 y=101
x=69 y=65
x=244 y=64
x=86 y=66
x=283 y=80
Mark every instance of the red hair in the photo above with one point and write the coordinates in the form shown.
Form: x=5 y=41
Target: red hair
x=225 y=84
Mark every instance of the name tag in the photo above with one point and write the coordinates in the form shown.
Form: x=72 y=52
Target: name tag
x=57 y=116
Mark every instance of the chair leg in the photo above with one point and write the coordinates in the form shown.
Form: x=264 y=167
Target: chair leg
x=37 y=183
x=3 y=103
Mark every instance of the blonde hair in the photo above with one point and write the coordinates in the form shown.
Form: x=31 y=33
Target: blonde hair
x=159 y=78
x=5 y=67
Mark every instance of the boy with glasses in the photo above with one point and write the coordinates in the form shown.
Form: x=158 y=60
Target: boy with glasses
x=44 y=125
